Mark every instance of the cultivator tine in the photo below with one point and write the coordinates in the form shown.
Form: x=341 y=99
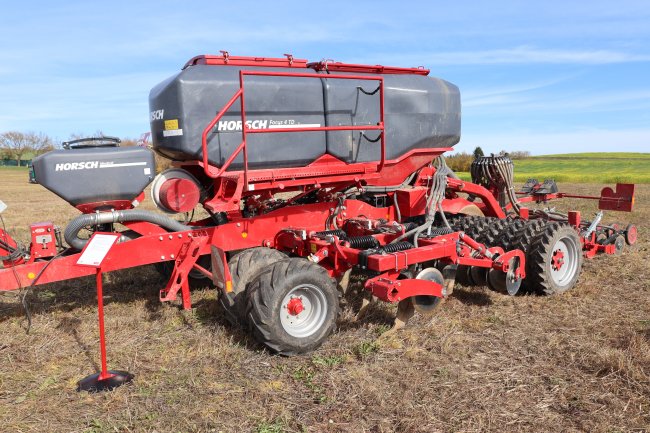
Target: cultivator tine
x=365 y=303
x=405 y=311
x=344 y=282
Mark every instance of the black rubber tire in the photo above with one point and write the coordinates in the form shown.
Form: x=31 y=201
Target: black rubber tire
x=511 y=233
x=522 y=241
x=244 y=267
x=477 y=226
x=492 y=233
x=539 y=259
x=264 y=308
x=526 y=235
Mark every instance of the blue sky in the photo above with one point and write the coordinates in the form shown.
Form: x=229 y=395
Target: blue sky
x=547 y=77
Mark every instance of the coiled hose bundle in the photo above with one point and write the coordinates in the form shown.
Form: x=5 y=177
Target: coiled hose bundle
x=498 y=171
x=434 y=201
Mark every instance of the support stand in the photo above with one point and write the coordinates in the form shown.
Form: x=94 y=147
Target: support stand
x=105 y=380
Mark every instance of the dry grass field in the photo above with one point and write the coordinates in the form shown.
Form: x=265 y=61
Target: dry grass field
x=485 y=362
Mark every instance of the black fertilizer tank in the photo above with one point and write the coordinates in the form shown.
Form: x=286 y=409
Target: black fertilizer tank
x=421 y=112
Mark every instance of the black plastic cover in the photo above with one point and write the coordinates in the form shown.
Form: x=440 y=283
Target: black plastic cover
x=92 y=175
x=421 y=112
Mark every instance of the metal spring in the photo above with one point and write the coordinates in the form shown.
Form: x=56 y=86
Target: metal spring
x=397 y=246
x=409 y=226
x=363 y=242
x=338 y=233
x=441 y=231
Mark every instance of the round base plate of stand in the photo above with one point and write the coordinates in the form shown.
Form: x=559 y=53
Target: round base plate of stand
x=113 y=379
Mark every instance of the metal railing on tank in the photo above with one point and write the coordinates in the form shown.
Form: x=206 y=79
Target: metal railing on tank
x=214 y=172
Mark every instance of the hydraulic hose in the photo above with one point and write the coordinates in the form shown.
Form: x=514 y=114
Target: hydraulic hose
x=121 y=216
x=434 y=202
x=496 y=171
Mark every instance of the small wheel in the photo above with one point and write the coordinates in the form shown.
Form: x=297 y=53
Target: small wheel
x=631 y=234
x=425 y=304
x=619 y=245
x=244 y=267
x=554 y=259
x=293 y=306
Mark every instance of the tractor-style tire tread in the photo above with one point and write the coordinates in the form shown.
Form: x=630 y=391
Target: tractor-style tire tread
x=522 y=241
x=510 y=234
x=264 y=305
x=539 y=255
x=492 y=233
x=244 y=267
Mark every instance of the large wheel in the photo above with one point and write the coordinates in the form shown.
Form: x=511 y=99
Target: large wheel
x=523 y=241
x=554 y=260
x=244 y=267
x=292 y=307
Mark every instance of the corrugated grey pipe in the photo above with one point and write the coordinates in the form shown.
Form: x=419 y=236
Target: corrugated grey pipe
x=120 y=216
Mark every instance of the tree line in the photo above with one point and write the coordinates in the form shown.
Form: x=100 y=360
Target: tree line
x=461 y=161
x=17 y=145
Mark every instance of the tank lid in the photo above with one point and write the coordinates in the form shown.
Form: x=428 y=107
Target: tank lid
x=225 y=59
x=328 y=65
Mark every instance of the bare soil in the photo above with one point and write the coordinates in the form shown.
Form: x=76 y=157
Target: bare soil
x=484 y=362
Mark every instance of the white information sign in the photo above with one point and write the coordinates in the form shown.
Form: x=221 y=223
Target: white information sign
x=96 y=250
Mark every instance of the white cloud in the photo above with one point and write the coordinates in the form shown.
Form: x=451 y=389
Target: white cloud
x=557 y=103
x=518 y=55
x=540 y=143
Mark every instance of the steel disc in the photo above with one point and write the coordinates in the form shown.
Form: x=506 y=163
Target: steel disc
x=496 y=280
x=477 y=275
x=462 y=276
x=425 y=304
x=619 y=244
x=505 y=282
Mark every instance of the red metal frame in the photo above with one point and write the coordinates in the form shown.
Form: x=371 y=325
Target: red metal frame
x=214 y=172
x=285 y=229
x=329 y=66
x=225 y=59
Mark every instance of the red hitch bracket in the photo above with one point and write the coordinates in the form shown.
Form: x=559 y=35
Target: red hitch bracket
x=185 y=262
x=389 y=288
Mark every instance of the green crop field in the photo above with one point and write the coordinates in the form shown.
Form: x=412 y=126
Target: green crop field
x=584 y=168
